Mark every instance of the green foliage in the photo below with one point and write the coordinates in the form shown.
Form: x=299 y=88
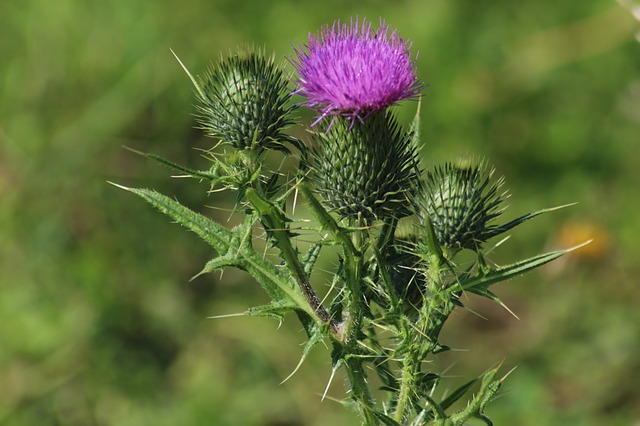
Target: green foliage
x=234 y=247
x=100 y=322
x=368 y=171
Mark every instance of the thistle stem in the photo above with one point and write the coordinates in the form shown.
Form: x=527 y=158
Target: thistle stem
x=353 y=278
x=407 y=381
x=436 y=308
x=275 y=223
x=356 y=306
x=360 y=389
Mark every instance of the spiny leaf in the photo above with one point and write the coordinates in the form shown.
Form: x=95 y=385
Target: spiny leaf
x=219 y=263
x=186 y=70
x=213 y=233
x=276 y=309
x=207 y=175
x=480 y=291
x=233 y=243
x=497 y=230
x=316 y=336
x=386 y=420
x=457 y=394
x=517 y=268
x=476 y=407
x=490 y=386
x=309 y=259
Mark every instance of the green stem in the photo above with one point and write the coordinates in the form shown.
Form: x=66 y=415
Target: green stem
x=352 y=267
x=327 y=221
x=360 y=393
x=353 y=277
x=436 y=308
x=352 y=332
x=349 y=331
x=407 y=381
x=275 y=223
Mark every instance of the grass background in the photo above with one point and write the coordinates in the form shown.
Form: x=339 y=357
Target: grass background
x=99 y=324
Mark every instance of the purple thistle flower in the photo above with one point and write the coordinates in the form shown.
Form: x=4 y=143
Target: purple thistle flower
x=352 y=71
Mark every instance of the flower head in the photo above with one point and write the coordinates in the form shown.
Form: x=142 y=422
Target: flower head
x=244 y=102
x=366 y=169
x=462 y=201
x=352 y=71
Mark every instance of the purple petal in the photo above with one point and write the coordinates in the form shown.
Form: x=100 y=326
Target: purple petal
x=351 y=70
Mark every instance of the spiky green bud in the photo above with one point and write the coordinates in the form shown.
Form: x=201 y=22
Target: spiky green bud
x=462 y=200
x=365 y=169
x=244 y=102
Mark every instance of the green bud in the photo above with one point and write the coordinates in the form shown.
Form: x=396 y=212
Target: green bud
x=462 y=201
x=244 y=102
x=366 y=169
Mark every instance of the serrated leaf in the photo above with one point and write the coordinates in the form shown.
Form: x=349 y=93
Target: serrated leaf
x=505 y=272
x=234 y=244
x=217 y=236
x=315 y=336
x=497 y=230
x=275 y=224
x=219 y=263
x=490 y=386
x=475 y=408
x=386 y=420
x=309 y=259
x=457 y=394
x=197 y=174
x=274 y=310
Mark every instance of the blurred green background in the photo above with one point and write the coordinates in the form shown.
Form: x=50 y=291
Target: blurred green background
x=99 y=324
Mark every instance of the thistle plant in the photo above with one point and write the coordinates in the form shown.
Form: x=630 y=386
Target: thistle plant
x=359 y=175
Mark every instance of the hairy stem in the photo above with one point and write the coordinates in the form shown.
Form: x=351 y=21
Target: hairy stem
x=356 y=307
x=423 y=336
x=360 y=392
x=407 y=380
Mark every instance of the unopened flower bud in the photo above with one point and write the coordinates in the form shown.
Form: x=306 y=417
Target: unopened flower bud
x=366 y=169
x=244 y=102
x=461 y=202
